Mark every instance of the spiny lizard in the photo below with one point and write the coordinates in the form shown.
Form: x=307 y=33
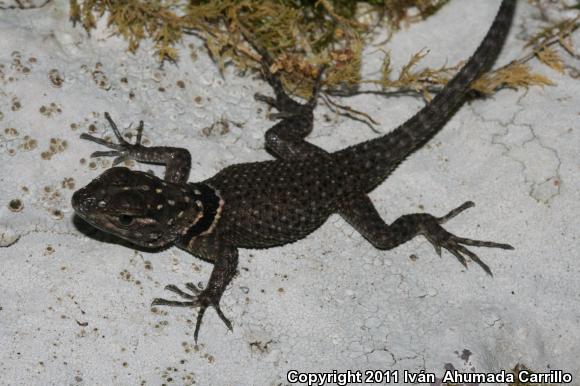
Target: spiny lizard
x=272 y=203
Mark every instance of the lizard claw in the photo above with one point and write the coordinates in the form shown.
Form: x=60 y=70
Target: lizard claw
x=202 y=300
x=316 y=88
x=266 y=99
x=122 y=150
x=441 y=239
x=120 y=138
x=282 y=102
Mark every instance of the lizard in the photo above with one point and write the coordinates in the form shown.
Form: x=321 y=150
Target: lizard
x=274 y=202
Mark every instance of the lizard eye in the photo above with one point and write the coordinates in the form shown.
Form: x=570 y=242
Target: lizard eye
x=126 y=220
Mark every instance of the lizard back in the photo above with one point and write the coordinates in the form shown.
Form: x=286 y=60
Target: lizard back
x=265 y=199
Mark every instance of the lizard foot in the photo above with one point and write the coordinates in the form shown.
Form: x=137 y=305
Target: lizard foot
x=284 y=110
x=122 y=150
x=200 y=298
x=431 y=228
x=287 y=106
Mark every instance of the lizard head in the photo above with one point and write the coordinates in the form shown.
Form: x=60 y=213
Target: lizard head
x=137 y=207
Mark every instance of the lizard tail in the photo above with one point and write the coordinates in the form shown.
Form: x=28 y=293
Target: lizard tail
x=374 y=160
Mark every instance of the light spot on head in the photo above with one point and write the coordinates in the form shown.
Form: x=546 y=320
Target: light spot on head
x=170 y=221
x=125 y=188
x=187 y=199
x=102 y=204
x=180 y=214
x=171 y=202
x=159 y=190
x=197 y=192
x=160 y=206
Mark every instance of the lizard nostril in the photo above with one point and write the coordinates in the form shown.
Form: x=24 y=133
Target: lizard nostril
x=81 y=200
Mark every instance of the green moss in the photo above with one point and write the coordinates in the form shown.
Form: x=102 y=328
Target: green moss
x=301 y=35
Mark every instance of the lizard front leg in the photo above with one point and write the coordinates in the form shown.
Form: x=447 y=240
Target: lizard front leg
x=213 y=249
x=362 y=215
x=286 y=139
x=225 y=264
x=177 y=161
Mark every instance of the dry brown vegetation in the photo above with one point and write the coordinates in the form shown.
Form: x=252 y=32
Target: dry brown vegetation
x=301 y=35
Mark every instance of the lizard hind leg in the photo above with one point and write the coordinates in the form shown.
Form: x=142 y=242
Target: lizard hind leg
x=362 y=215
